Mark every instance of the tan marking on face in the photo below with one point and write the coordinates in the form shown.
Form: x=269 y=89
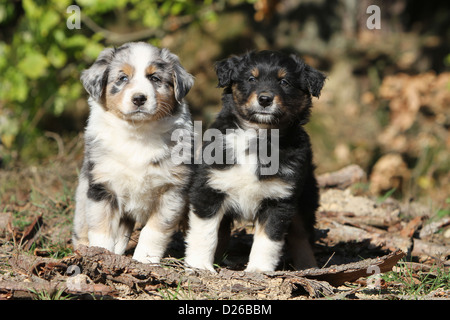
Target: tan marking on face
x=165 y=97
x=277 y=102
x=110 y=101
x=128 y=70
x=255 y=72
x=236 y=93
x=241 y=102
x=252 y=99
x=281 y=73
x=165 y=103
x=113 y=101
x=151 y=69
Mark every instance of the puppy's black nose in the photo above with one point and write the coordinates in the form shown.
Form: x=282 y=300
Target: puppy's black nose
x=139 y=99
x=265 y=99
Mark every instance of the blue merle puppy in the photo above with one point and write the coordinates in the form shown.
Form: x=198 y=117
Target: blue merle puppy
x=128 y=174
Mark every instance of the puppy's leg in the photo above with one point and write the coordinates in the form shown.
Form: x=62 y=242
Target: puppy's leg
x=102 y=220
x=224 y=235
x=201 y=240
x=80 y=227
x=158 y=230
x=265 y=252
x=124 y=231
x=299 y=245
x=302 y=226
x=271 y=227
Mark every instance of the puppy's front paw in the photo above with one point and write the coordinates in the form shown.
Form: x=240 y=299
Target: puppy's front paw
x=198 y=264
x=146 y=258
x=251 y=267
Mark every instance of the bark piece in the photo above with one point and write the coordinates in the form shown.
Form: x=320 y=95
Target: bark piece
x=5 y=223
x=98 y=271
x=31 y=289
x=338 y=232
x=412 y=226
x=434 y=250
x=343 y=178
x=315 y=288
x=434 y=227
x=339 y=274
x=334 y=275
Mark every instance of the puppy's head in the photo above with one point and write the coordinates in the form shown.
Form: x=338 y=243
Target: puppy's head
x=270 y=88
x=137 y=81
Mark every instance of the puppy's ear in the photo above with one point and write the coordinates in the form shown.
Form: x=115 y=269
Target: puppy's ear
x=315 y=80
x=223 y=70
x=94 y=79
x=310 y=77
x=226 y=70
x=182 y=80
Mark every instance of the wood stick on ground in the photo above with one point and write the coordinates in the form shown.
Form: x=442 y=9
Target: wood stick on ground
x=100 y=270
x=343 y=178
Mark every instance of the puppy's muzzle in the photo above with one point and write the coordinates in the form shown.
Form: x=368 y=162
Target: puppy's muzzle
x=265 y=99
x=138 y=99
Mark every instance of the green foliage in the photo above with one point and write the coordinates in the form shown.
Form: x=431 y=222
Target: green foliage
x=57 y=294
x=40 y=68
x=41 y=58
x=417 y=284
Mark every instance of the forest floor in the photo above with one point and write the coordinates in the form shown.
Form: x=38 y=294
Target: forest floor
x=367 y=248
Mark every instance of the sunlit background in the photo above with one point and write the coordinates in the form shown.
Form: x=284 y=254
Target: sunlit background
x=385 y=104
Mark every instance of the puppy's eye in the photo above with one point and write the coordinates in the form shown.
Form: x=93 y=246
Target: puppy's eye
x=123 y=78
x=284 y=83
x=251 y=79
x=153 y=78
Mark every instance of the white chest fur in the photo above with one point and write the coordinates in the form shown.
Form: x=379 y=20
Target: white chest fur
x=133 y=161
x=244 y=190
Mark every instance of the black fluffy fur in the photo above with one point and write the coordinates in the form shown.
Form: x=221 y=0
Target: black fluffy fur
x=295 y=152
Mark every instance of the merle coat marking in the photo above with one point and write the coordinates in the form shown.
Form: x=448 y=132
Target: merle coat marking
x=128 y=174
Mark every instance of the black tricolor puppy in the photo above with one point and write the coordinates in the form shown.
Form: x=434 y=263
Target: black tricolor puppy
x=266 y=102
x=129 y=173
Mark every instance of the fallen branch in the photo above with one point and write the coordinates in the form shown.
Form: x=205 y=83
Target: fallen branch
x=29 y=289
x=50 y=288
x=338 y=275
x=433 y=250
x=100 y=271
x=339 y=232
x=343 y=178
x=342 y=229
x=433 y=227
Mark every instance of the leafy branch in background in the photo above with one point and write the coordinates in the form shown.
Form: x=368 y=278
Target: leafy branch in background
x=41 y=59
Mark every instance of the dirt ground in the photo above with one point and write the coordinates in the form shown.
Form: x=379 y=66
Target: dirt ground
x=367 y=248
